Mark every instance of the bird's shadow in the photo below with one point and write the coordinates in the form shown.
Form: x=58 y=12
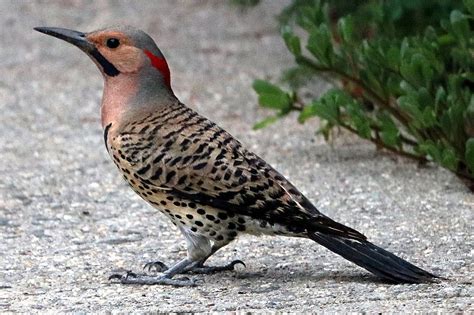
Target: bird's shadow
x=284 y=276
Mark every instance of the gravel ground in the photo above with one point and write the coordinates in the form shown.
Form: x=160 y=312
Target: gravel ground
x=67 y=220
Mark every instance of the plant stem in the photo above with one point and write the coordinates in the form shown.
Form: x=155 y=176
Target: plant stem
x=381 y=144
x=380 y=100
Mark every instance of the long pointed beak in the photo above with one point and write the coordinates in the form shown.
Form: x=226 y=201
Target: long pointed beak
x=79 y=39
x=74 y=37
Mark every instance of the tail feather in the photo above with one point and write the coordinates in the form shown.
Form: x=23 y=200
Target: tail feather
x=373 y=258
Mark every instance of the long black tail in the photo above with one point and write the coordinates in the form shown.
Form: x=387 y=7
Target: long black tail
x=373 y=258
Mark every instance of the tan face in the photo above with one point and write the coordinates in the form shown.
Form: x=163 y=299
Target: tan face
x=119 y=50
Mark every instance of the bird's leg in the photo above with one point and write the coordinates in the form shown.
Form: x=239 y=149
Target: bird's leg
x=164 y=279
x=199 y=268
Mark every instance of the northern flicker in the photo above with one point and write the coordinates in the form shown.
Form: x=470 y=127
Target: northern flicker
x=197 y=174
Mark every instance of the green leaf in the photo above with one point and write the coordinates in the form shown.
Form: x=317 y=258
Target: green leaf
x=431 y=149
x=389 y=131
x=470 y=154
x=451 y=123
x=275 y=101
x=362 y=125
x=326 y=110
x=372 y=80
x=393 y=57
x=449 y=159
x=310 y=16
x=319 y=44
x=429 y=119
x=292 y=41
x=410 y=104
x=297 y=76
x=327 y=107
x=440 y=96
x=393 y=85
x=346 y=29
x=416 y=69
x=306 y=113
x=264 y=87
x=271 y=96
x=357 y=118
x=265 y=122
x=469 y=4
x=469 y=118
x=460 y=26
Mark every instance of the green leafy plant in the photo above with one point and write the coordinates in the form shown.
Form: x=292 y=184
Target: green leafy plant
x=402 y=73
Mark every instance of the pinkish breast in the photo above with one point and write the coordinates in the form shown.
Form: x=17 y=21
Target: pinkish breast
x=118 y=93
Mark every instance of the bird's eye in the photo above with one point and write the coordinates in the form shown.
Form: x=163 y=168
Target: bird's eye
x=113 y=42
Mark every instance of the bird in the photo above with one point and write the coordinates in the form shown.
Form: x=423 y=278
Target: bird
x=197 y=174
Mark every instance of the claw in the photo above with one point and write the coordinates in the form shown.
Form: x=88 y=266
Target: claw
x=237 y=261
x=157 y=265
x=122 y=276
x=115 y=276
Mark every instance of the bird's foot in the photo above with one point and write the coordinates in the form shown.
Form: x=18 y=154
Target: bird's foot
x=201 y=269
x=197 y=268
x=133 y=278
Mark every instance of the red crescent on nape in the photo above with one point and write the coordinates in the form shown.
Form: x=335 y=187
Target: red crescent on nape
x=161 y=65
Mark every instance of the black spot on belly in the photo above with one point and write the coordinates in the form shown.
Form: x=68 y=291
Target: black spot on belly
x=241 y=228
x=210 y=217
x=201 y=211
x=222 y=215
x=194 y=229
x=231 y=226
x=220 y=238
x=163 y=202
x=213 y=233
x=241 y=220
x=198 y=223
x=178 y=216
x=232 y=234
x=189 y=216
x=192 y=205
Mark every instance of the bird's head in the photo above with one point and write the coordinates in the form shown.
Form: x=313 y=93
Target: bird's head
x=118 y=51
x=137 y=77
